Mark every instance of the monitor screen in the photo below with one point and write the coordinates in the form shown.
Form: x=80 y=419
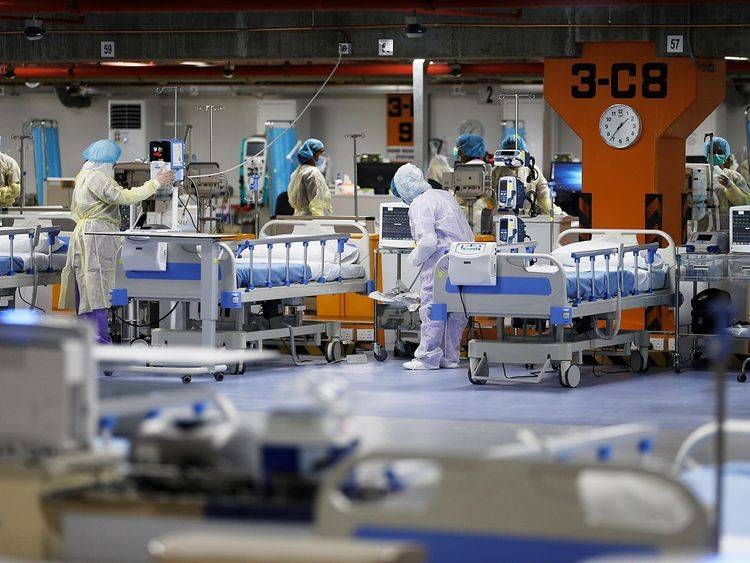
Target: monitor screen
x=568 y=176
x=377 y=175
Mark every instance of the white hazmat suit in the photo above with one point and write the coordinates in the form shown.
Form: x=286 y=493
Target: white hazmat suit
x=436 y=221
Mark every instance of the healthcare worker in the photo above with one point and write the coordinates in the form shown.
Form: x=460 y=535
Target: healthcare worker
x=308 y=191
x=729 y=185
x=89 y=272
x=536 y=183
x=10 y=179
x=436 y=221
x=470 y=149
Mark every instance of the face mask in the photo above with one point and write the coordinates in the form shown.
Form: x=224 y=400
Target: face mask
x=455 y=153
x=321 y=163
x=720 y=159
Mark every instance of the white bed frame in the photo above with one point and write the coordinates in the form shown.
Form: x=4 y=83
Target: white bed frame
x=542 y=294
x=11 y=280
x=225 y=308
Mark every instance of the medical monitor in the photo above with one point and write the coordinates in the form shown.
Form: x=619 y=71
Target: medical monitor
x=377 y=175
x=395 y=231
x=568 y=176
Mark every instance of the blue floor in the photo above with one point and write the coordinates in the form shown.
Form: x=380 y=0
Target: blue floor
x=679 y=401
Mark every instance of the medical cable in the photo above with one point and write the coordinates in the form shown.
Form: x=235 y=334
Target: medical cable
x=29 y=304
x=472 y=322
x=152 y=324
x=284 y=132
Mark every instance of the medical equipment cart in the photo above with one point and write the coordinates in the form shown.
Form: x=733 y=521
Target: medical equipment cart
x=393 y=317
x=710 y=269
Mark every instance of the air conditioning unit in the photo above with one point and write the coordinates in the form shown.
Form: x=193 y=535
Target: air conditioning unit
x=132 y=124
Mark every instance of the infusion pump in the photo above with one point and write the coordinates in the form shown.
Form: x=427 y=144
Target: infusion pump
x=469 y=180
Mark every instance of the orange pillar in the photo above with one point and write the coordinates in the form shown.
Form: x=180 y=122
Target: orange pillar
x=672 y=96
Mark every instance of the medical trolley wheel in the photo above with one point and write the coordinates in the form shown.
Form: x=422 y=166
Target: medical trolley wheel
x=479 y=370
x=571 y=376
x=237 y=369
x=742 y=377
x=639 y=361
x=219 y=376
x=380 y=352
x=334 y=351
x=139 y=343
x=186 y=379
x=108 y=373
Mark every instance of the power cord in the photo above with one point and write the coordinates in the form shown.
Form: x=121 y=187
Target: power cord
x=153 y=324
x=29 y=304
x=472 y=322
x=284 y=132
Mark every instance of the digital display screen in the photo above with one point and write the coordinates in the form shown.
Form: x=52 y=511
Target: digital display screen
x=568 y=176
x=252 y=149
x=703 y=238
x=395 y=223
x=740 y=228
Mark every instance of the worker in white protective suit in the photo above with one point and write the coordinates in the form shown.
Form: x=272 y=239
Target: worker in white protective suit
x=308 y=191
x=89 y=273
x=10 y=179
x=436 y=221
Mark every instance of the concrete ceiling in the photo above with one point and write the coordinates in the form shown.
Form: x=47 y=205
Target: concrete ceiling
x=249 y=38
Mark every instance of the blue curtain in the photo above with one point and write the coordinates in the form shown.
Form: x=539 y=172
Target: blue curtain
x=46 y=154
x=281 y=168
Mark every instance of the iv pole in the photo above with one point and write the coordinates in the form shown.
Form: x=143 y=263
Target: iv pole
x=210 y=109
x=21 y=139
x=354 y=137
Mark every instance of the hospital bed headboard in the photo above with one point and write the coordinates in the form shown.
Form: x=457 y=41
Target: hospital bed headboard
x=482 y=509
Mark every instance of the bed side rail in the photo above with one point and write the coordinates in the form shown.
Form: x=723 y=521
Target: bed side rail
x=668 y=252
x=34 y=234
x=286 y=242
x=363 y=242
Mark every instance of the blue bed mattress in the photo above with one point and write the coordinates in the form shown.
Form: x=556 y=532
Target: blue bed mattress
x=659 y=282
x=297 y=272
x=60 y=255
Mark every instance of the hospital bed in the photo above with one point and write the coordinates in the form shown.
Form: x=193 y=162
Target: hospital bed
x=592 y=281
x=30 y=257
x=222 y=288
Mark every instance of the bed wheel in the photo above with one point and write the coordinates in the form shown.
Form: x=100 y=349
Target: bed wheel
x=479 y=370
x=742 y=377
x=219 y=376
x=380 y=352
x=238 y=369
x=186 y=379
x=108 y=373
x=528 y=366
x=571 y=377
x=334 y=351
x=638 y=361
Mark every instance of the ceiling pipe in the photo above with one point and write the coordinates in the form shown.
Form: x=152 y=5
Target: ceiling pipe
x=181 y=72
x=201 y=6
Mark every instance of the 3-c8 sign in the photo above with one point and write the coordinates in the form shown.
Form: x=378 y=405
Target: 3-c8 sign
x=624 y=80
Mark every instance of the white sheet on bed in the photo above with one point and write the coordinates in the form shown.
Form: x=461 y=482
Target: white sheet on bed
x=643 y=277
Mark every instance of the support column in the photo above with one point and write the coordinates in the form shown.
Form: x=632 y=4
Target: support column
x=421 y=114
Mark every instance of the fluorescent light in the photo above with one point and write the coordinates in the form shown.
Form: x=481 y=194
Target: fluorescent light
x=735 y=58
x=195 y=63
x=128 y=64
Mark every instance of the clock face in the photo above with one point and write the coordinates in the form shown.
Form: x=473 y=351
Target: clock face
x=620 y=126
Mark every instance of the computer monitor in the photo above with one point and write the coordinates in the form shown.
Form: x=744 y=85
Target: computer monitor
x=568 y=176
x=377 y=175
